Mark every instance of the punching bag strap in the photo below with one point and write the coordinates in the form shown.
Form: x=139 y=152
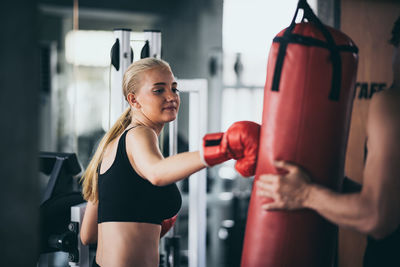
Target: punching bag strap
x=281 y=53
x=335 y=56
x=334 y=50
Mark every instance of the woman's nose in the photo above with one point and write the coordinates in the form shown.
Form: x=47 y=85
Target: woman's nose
x=170 y=96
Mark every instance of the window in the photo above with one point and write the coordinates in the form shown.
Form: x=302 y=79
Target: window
x=248 y=29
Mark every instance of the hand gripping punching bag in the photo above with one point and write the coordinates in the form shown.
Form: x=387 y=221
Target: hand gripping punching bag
x=308 y=99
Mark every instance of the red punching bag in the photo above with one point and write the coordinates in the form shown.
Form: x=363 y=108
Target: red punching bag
x=308 y=99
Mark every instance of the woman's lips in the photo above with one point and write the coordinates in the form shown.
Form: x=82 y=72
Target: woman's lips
x=170 y=108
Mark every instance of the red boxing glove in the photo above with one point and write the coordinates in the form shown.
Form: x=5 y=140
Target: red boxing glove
x=239 y=142
x=167 y=224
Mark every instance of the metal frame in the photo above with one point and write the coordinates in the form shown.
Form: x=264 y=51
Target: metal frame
x=154 y=38
x=117 y=101
x=77 y=213
x=197 y=89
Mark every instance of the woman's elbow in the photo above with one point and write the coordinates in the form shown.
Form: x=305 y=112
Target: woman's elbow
x=87 y=239
x=156 y=180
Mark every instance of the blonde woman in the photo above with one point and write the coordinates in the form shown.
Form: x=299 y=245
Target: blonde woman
x=130 y=187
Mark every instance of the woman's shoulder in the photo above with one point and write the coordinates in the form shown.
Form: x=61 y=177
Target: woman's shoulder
x=140 y=132
x=140 y=129
x=141 y=140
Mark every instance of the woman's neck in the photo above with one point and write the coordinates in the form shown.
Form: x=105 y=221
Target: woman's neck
x=139 y=118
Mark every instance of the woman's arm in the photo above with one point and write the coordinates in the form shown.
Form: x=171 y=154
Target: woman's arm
x=239 y=142
x=142 y=148
x=88 y=231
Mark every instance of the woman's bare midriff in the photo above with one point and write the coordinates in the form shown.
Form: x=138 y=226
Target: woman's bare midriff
x=128 y=244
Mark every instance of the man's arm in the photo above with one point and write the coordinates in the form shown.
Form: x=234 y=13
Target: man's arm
x=350 y=186
x=381 y=175
x=376 y=209
x=294 y=191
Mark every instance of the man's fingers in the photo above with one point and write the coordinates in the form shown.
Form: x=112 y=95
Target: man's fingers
x=268 y=178
x=264 y=189
x=272 y=206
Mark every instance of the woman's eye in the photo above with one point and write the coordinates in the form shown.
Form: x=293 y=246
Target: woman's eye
x=158 y=91
x=175 y=90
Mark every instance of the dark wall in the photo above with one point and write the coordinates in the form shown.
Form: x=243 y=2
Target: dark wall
x=157 y=6
x=369 y=24
x=190 y=36
x=191 y=29
x=18 y=140
x=329 y=12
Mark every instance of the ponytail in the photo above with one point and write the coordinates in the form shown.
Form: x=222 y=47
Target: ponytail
x=130 y=84
x=90 y=177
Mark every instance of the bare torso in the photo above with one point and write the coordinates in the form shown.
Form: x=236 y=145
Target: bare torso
x=128 y=244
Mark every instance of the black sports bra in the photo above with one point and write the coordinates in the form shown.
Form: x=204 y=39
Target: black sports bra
x=124 y=196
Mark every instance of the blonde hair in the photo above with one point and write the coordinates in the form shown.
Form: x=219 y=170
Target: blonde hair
x=130 y=84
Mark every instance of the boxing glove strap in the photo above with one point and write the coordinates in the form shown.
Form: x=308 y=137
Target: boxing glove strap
x=210 y=151
x=201 y=151
x=214 y=142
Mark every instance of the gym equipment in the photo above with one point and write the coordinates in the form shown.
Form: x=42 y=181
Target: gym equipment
x=122 y=55
x=61 y=193
x=197 y=90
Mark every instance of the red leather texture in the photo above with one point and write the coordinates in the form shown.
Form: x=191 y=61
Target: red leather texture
x=302 y=125
x=239 y=142
x=167 y=224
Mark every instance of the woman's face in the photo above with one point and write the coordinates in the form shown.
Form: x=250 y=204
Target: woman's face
x=158 y=97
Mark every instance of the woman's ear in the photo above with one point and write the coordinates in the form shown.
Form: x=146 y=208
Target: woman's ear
x=131 y=98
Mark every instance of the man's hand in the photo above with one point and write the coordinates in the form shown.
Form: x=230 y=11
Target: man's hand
x=289 y=191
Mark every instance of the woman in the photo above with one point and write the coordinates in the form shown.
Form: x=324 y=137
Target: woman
x=128 y=184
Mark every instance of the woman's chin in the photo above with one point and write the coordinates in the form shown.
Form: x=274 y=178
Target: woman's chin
x=172 y=119
x=169 y=118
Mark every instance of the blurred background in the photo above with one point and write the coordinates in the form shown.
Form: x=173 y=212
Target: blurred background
x=55 y=84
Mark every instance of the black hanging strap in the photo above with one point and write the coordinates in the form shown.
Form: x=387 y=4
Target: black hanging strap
x=282 y=52
x=289 y=37
x=310 y=41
